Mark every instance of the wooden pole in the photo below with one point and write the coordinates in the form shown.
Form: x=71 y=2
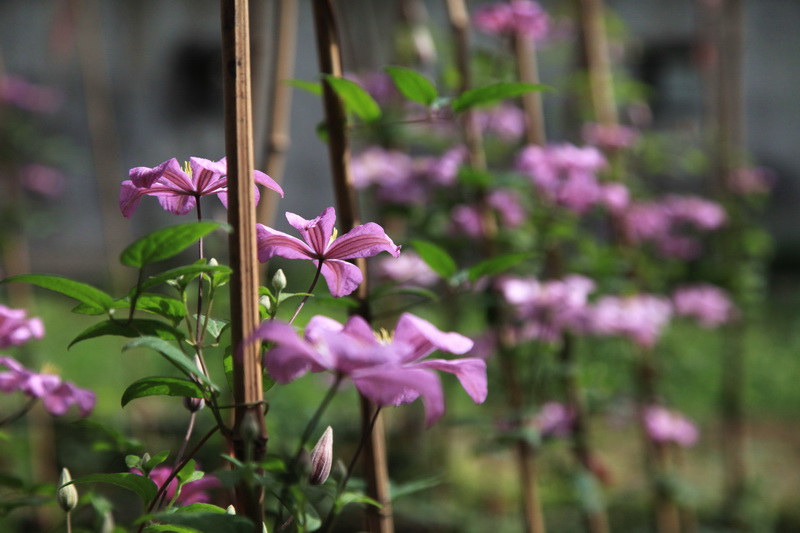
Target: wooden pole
x=378 y=520
x=249 y=434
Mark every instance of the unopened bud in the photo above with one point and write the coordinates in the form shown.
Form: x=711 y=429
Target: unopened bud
x=230 y=510
x=108 y=523
x=193 y=404
x=322 y=458
x=266 y=302
x=279 y=280
x=67 y=495
x=213 y=262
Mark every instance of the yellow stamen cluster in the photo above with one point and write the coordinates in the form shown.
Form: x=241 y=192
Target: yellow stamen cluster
x=333 y=236
x=187 y=168
x=384 y=336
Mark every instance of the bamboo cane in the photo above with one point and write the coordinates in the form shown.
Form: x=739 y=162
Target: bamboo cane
x=249 y=434
x=378 y=520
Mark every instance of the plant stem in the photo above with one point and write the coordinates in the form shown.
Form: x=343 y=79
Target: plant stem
x=187 y=437
x=309 y=291
x=363 y=445
x=177 y=468
x=19 y=414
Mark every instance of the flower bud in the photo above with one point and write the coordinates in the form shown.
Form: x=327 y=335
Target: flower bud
x=279 y=280
x=322 y=458
x=193 y=404
x=67 y=495
x=230 y=510
x=108 y=525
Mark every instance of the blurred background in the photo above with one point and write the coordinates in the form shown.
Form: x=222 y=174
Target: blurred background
x=128 y=83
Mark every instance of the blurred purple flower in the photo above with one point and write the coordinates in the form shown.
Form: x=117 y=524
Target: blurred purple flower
x=640 y=317
x=407 y=269
x=56 y=394
x=548 y=308
x=192 y=492
x=321 y=245
x=664 y=425
x=28 y=96
x=388 y=371
x=504 y=203
x=524 y=17
x=615 y=197
x=378 y=166
x=609 y=136
x=665 y=223
x=179 y=189
x=42 y=179
x=565 y=174
x=708 y=304
x=751 y=180
x=701 y=213
x=554 y=420
x=506 y=121
x=16 y=329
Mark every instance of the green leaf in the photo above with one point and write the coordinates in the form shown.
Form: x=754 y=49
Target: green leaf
x=496 y=265
x=135 y=328
x=91 y=297
x=188 y=270
x=314 y=87
x=156 y=460
x=355 y=99
x=413 y=85
x=436 y=258
x=161 y=386
x=204 y=521
x=490 y=94
x=172 y=528
x=141 y=485
x=166 y=242
x=164 y=306
x=172 y=353
x=214 y=326
x=475 y=177
x=227 y=365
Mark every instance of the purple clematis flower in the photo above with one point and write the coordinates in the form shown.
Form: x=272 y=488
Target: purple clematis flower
x=178 y=189
x=387 y=371
x=56 y=394
x=16 y=329
x=321 y=245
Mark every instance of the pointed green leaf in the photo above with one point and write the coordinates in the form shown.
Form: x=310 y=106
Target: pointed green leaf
x=135 y=328
x=164 y=306
x=156 y=460
x=172 y=353
x=490 y=94
x=189 y=270
x=436 y=258
x=141 y=485
x=86 y=294
x=161 y=386
x=204 y=521
x=314 y=87
x=496 y=265
x=166 y=242
x=355 y=98
x=413 y=85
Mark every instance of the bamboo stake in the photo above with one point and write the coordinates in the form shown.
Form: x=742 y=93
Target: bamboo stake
x=102 y=131
x=280 y=103
x=597 y=61
x=525 y=455
x=729 y=133
x=329 y=53
x=249 y=434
